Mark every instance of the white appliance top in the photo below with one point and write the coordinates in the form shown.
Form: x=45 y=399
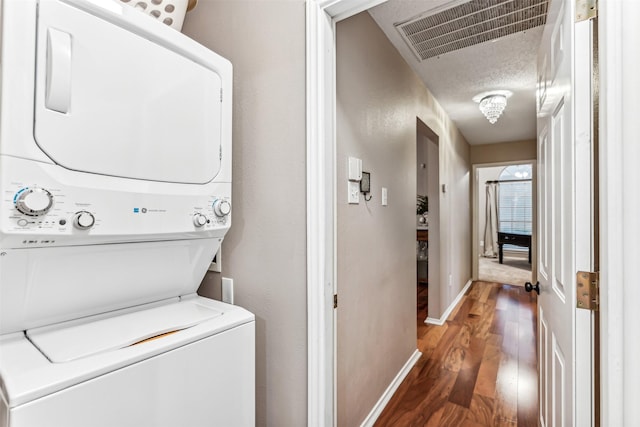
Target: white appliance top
x=66 y=343
x=29 y=375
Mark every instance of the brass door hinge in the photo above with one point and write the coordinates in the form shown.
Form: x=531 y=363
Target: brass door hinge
x=588 y=290
x=586 y=9
x=335 y=300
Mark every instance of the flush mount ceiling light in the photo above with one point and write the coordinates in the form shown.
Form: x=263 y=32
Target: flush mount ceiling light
x=492 y=104
x=492 y=107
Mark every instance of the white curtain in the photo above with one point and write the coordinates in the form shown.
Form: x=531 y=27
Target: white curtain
x=491 y=221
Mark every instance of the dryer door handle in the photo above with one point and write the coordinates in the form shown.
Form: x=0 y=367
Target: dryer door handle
x=58 y=95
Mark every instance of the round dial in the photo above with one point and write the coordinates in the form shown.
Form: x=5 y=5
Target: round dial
x=33 y=201
x=84 y=220
x=199 y=220
x=221 y=207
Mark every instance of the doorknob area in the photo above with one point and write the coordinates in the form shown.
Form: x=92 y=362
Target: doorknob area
x=529 y=287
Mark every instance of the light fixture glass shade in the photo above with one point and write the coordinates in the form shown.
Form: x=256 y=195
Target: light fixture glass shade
x=492 y=107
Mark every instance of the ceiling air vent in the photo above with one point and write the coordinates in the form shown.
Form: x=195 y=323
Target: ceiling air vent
x=469 y=24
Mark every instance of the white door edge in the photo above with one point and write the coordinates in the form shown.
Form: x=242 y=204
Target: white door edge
x=583 y=199
x=618 y=204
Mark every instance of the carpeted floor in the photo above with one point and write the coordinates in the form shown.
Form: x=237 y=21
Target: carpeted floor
x=513 y=271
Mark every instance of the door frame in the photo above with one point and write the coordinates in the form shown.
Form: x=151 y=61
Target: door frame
x=619 y=209
x=321 y=19
x=475 y=214
x=618 y=255
x=436 y=263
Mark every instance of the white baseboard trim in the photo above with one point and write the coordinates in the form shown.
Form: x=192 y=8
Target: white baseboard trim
x=445 y=315
x=388 y=393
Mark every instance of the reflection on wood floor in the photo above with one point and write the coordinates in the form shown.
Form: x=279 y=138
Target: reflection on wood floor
x=423 y=302
x=478 y=369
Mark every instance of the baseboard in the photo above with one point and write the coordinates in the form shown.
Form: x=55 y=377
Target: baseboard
x=445 y=315
x=388 y=393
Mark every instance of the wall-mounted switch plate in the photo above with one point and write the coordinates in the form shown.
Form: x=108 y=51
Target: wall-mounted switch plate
x=227 y=290
x=384 y=196
x=353 y=192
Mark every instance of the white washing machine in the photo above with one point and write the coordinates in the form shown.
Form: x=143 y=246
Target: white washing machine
x=115 y=194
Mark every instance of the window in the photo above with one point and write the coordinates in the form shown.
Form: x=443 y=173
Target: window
x=515 y=200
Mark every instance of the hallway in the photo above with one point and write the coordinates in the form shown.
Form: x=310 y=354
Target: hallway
x=478 y=369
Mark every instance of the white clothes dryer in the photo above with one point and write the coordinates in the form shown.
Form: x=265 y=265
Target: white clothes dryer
x=115 y=194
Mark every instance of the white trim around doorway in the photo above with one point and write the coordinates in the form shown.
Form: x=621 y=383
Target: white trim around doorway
x=619 y=205
x=321 y=17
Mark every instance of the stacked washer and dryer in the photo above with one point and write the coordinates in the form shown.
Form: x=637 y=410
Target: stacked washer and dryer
x=115 y=193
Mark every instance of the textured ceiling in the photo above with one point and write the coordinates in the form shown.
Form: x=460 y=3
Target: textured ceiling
x=454 y=78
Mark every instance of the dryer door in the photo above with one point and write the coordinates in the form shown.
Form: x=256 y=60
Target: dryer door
x=114 y=102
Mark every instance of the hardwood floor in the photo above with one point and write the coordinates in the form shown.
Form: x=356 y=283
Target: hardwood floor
x=422 y=302
x=478 y=369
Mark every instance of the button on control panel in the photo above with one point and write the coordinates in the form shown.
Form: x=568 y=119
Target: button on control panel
x=199 y=220
x=33 y=201
x=83 y=220
x=221 y=207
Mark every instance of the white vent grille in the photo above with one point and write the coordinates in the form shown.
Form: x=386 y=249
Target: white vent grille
x=469 y=24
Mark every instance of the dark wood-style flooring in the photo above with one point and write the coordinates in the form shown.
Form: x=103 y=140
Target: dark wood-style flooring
x=478 y=369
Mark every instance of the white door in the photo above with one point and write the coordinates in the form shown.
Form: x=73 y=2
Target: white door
x=564 y=217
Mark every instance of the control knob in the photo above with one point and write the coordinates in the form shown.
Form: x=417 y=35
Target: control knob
x=84 y=220
x=199 y=220
x=33 y=201
x=221 y=207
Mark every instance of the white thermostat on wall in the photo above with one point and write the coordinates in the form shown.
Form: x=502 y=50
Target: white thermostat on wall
x=355 y=169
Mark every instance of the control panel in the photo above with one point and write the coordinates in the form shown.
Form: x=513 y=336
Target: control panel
x=36 y=214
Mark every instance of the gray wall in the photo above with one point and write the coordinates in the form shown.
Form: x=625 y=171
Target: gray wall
x=379 y=98
x=503 y=152
x=265 y=251
x=422 y=171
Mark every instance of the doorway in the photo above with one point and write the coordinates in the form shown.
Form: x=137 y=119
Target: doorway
x=427 y=221
x=504 y=222
x=616 y=183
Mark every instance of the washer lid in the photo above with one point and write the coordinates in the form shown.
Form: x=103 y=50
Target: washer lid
x=65 y=343
x=113 y=100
